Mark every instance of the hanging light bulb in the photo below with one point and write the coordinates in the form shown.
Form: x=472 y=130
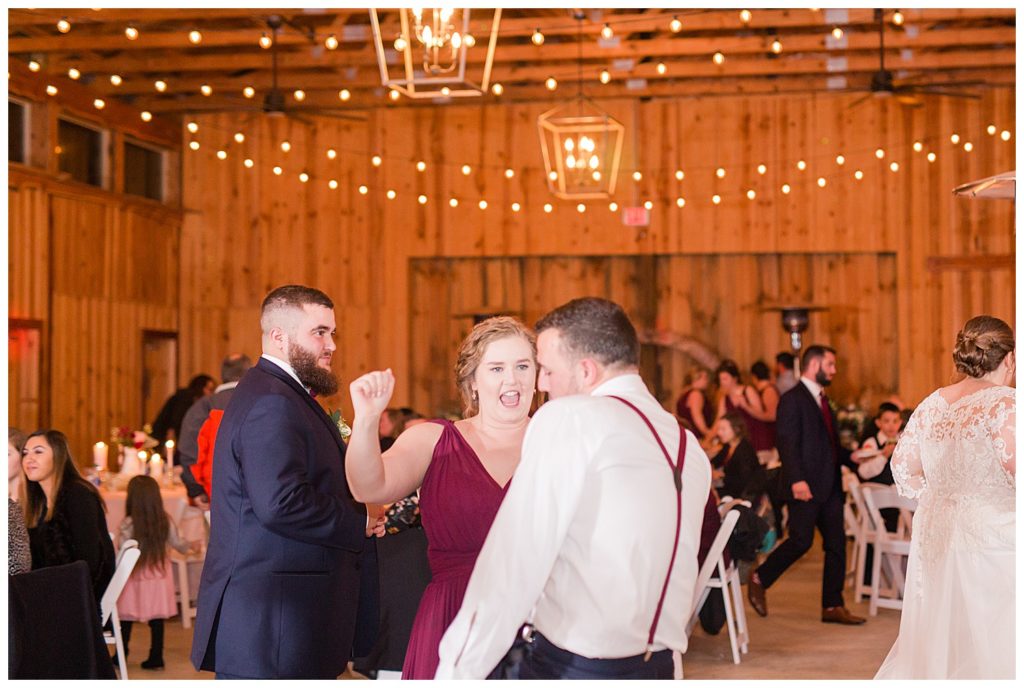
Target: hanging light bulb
x=613 y=206
x=299 y=95
x=192 y=127
x=63 y=26
x=553 y=176
x=286 y=146
x=879 y=153
x=376 y=161
x=146 y=116
x=363 y=190
x=1005 y=135
x=968 y=146
x=649 y=205
x=401 y=44
x=74 y=73
x=469 y=40
x=840 y=160
x=51 y=90
x=801 y=165
x=661 y=68
x=248 y=91
x=785 y=188
x=35 y=67
x=391 y=194
x=637 y=176
x=550 y=83
x=716 y=199
x=206 y=90
x=116 y=80
x=421 y=166
x=720 y=173
x=680 y=202
x=331 y=43
x=605 y=76
x=858 y=175
x=897 y=18
x=954 y=139
x=776 y=46
x=482 y=204
x=837 y=33
x=509 y=173
x=467 y=170
x=894 y=166
x=344 y=94
x=194 y=145
x=548 y=207
x=394 y=95
x=718 y=58
x=931 y=157
x=421 y=199
x=131 y=33
x=331 y=154
x=248 y=162
x=160 y=85
x=99 y=104
x=194 y=37
x=675 y=25
x=333 y=184
x=918 y=146
x=537 y=37
x=516 y=207
x=581 y=208
x=821 y=182
x=239 y=137
x=762 y=168
x=751 y=194
x=606 y=32
x=680 y=175
x=222 y=155
x=445 y=91
x=453 y=202
x=991 y=129
x=745 y=16
x=497 y=89
x=266 y=41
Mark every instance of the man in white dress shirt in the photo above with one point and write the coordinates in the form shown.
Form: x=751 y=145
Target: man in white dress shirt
x=592 y=523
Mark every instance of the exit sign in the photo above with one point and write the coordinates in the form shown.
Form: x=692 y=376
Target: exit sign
x=638 y=216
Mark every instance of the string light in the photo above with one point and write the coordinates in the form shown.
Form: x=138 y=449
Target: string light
x=116 y=80
x=331 y=154
x=344 y=94
x=680 y=176
x=822 y=182
x=596 y=176
x=421 y=166
x=303 y=177
x=99 y=104
x=248 y=163
x=605 y=76
x=286 y=146
x=718 y=58
x=239 y=137
x=332 y=184
x=858 y=175
x=648 y=205
x=776 y=46
x=801 y=165
x=606 y=32
x=266 y=41
x=299 y=95
x=968 y=147
x=785 y=188
x=222 y=155
x=840 y=160
x=837 y=33
x=63 y=26
x=277 y=170
x=550 y=83
x=192 y=127
x=931 y=157
x=194 y=37
x=160 y=85
x=331 y=43
x=637 y=176
x=1005 y=135
x=35 y=67
x=194 y=145
x=376 y=161
x=918 y=146
x=497 y=89
x=897 y=18
x=720 y=173
x=401 y=44
x=894 y=166
x=680 y=202
x=509 y=173
x=363 y=190
x=131 y=33
x=146 y=115
x=51 y=90
x=466 y=170
x=879 y=153
x=537 y=37
x=391 y=194
x=422 y=199
x=613 y=206
x=445 y=91
x=469 y=40
x=745 y=16
x=74 y=73
x=751 y=194
x=991 y=129
x=675 y=25
x=394 y=95
x=453 y=202
x=716 y=199
x=516 y=207
x=206 y=90
x=954 y=139
x=581 y=208
x=661 y=68
x=483 y=205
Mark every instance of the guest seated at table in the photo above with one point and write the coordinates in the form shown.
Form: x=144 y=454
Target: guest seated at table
x=742 y=475
x=19 y=556
x=63 y=510
x=874 y=454
x=149 y=593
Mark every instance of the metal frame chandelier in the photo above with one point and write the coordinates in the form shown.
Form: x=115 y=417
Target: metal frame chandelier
x=432 y=47
x=581 y=145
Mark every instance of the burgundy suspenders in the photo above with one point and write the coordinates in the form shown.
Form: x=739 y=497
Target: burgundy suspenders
x=677 y=477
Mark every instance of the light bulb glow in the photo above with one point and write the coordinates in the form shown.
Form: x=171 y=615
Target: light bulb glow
x=605 y=76
x=550 y=83
x=680 y=202
x=248 y=91
x=648 y=205
x=606 y=32
x=35 y=67
x=51 y=90
x=991 y=129
x=63 y=26
x=801 y=165
x=116 y=80
x=497 y=89
x=453 y=202
x=445 y=91
x=548 y=208
x=918 y=146
x=131 y=33
x=331 y=43
x=858 y=175
x=421 y=166
x=99 y=104
x=613 y=206
x=954 y=139
x=376 y=161
x=206 y=90
x=840 y=160
x=363 y=190
x=286 y=146
x=931 y=157
x=762 y=168
x=662 y=68
x=194 y=145
x=537 y=37
x=776 y=46
x=299 y=95
x=751 y=194
x=516 y=207
x=277 y=170
x=897 y=18
x=222 y=155
x=894 y=166
x=718 y=58
x=821 y=182
x=675 y=25
x=720 y=173
x=680 y=175
x=239 y=137
x=1005 y=135
x=266 y=41
x=394 y=95
x=303 y=177
x=509 y=173
x=248 y=163
x=581 y=208
x=716 y=199
x=553 y=176
x=422 y=199
x=194 y=37
x=837 y=33
x=786 y=188
x=637 y=176
x=968 y=146
x=483 y=205
x=192 y=127
x=745 y=16
x=391 y=194
x=333 y=184
x=160 y=85
x=74 y=73
x=467 y=170
x=879 y=153
x=344 y=94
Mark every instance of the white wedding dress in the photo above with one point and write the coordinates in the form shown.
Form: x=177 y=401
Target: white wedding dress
x=958 y=459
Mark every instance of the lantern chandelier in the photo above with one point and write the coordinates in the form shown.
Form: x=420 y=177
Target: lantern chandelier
x=581 y=144
x=432 y=53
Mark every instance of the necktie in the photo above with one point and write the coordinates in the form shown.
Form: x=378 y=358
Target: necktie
x=826 y=412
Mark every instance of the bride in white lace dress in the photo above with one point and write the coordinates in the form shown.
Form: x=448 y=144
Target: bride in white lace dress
x=958 y=457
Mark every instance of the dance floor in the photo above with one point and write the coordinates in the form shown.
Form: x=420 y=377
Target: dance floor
x=791 y=643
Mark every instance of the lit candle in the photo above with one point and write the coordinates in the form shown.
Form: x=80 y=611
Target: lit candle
x=99 y=455
x=156 y=466
x=169 y=445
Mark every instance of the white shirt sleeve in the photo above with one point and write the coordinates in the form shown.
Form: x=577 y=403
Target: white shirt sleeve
x=522 y=545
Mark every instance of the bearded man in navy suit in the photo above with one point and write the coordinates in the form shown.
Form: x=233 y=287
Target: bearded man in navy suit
x=289 y=586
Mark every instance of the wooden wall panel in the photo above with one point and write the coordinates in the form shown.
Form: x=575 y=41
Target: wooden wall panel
x=28 y=257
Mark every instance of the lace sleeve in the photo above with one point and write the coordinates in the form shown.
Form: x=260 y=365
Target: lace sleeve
x=907 y=469
x=1004 y=433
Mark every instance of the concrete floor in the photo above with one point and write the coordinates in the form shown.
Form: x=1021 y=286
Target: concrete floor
x=790 y=643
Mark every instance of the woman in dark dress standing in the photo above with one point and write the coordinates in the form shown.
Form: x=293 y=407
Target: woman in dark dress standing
x=694 y=408
x=462 y=468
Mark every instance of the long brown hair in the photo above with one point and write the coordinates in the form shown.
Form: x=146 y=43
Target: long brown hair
x=33 y=498
x=150 y=525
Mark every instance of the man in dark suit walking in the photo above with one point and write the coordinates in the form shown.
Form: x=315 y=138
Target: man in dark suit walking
x=808 y=444
x=289 y=585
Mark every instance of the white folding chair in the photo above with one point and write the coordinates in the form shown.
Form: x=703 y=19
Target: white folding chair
x=181 y=563
x=127 y=556
x=864 y=536
x=889 y=547
x=728 y=581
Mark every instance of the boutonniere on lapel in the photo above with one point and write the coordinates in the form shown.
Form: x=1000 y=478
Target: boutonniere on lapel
x=343 y=429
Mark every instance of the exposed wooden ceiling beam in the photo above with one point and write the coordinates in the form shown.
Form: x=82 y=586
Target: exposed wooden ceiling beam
x=39 y=17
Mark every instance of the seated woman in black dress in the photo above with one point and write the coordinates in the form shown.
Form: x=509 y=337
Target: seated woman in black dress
x=63 y=511
x=736 y=464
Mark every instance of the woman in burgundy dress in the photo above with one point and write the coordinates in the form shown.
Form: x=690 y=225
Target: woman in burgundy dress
x=462 y=468
x=737 y=397
x=694 y=408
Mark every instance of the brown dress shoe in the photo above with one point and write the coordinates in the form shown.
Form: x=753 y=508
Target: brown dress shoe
x=840 y=615
x=755 y=593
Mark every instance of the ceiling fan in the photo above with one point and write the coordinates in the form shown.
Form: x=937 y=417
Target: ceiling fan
x=274 y=103
x=884 y=85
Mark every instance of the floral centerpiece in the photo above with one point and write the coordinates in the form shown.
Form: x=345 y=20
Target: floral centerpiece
x=130 y=442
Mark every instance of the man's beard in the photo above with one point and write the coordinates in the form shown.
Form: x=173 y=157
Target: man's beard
x=322 y=383
x=822 y=379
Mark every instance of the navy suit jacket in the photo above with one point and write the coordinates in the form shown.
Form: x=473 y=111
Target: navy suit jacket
x=804 y=445
x=289 y=567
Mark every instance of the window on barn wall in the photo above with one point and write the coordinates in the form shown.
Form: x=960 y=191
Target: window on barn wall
x=81 y=151
x=17 y=130
x=143 y=171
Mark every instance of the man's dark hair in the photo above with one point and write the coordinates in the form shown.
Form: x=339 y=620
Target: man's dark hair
x=595 y=327
x=814 y=352
x=760 y=371
x=234 y=366
x=785 y=359
x=887 y=407
x=291 y=296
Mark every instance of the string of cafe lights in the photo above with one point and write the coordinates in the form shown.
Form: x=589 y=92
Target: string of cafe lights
x=749 y=190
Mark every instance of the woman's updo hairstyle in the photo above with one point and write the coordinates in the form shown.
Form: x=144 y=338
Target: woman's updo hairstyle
x=982 y=345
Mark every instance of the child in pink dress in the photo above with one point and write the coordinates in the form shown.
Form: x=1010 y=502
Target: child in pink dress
x=149 y=593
